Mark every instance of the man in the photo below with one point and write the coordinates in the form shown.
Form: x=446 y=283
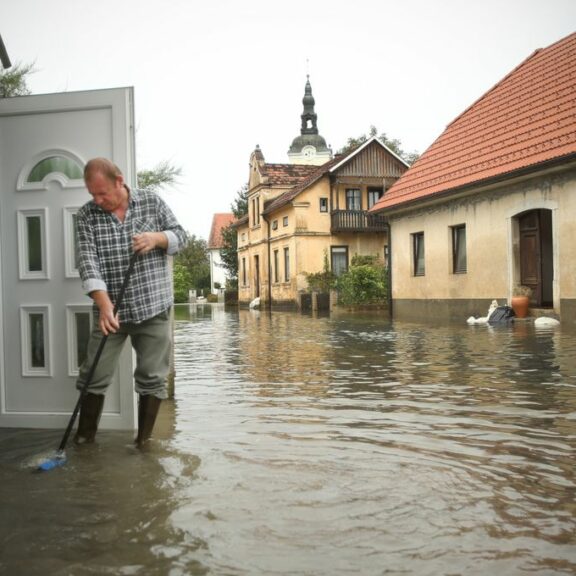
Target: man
x=109 y=228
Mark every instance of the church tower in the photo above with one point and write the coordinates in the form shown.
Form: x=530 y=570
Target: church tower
x=309 y=147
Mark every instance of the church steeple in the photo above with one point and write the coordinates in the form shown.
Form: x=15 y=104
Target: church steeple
x=309 y=117
x=309 y=147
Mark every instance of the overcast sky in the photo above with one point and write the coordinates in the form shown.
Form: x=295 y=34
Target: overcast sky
x=214 y=78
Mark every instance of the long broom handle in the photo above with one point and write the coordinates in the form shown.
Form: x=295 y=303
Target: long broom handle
x=97 y=356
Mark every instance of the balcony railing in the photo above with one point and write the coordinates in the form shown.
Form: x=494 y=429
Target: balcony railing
x=356 y=221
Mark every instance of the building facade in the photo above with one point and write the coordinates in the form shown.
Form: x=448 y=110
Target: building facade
x=491 y=205
x=303 y=219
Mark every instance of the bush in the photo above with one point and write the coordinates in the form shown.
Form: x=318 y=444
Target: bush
x=363 y=284
x=321 y=281
x=182 y=283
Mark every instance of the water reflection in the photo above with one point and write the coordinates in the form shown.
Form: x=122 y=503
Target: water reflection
x=357 y=445
x=323 y=446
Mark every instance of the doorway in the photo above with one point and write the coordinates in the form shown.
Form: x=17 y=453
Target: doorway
x=257 y=276
x=536 y=255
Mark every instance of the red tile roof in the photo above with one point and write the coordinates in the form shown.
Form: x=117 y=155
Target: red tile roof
x=286 y=174
x=219 y=221
x=312 y=177
x=527 y=119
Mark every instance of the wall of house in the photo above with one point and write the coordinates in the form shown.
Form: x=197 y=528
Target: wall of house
x=492 y=243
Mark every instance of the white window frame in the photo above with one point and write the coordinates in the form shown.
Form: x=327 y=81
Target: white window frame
x=26 y=340
x=71 y=331
x=23 y=264
x=70 y=242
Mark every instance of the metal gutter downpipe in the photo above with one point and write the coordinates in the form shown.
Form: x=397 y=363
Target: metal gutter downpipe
x=389 y=272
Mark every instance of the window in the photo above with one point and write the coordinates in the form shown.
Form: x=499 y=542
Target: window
x=459 y=265
x=339 y=259
x=276 y=263
x=323 y=204
x=70 y=248
x=374 y=194
x=243 y=271
x=34 y=330
x=256 y=211
x=353 y=199
x=275 y=225
x=418 y=253
x=286 y=265
x=65 y=166
x=285 y=221
x=79 y=319
x=32 y=240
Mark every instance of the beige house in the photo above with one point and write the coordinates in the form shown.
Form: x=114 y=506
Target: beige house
x=491 y=205
x=302 y=216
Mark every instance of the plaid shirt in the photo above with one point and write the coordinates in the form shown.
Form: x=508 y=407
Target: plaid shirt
x=105 y=245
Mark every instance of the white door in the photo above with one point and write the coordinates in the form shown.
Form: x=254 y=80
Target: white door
x=45 y=141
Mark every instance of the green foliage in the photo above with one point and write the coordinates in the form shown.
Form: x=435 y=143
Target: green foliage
x=194 y=259
x=13 y=80
x=229 y=250
x=366 y=282
x=182 y=283
x=323 y=281
x=163 y=175
x=393 y=143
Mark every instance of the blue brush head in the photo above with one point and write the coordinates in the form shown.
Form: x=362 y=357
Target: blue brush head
x=50 y=463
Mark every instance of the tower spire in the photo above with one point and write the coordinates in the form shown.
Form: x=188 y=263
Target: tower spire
x=309 y=147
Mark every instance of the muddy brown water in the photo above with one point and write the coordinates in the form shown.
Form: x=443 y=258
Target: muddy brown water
x=318 y=446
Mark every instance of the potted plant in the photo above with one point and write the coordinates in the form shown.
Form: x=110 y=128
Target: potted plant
x=521 y=300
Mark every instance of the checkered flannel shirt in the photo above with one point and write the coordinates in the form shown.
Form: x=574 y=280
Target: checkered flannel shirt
x=104 y=247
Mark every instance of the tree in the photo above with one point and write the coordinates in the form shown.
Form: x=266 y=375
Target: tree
x=13 y=80
x=182 y=283
x=394 y=144
x=229 y=250
x=155 y=179
x=194 y=259
x=366 y=282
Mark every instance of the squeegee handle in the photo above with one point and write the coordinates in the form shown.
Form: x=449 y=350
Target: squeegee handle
x=90 y=375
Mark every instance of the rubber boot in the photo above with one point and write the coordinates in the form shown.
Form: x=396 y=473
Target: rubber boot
x=90 y=412
x=148 y=407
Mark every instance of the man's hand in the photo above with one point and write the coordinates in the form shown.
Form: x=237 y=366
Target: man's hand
x=108 y=322
x=147 y=241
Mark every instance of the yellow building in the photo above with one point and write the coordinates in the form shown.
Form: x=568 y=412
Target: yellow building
x=301 y=215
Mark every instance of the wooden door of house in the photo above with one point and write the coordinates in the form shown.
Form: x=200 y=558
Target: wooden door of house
x=45 y=141
x=535 y=229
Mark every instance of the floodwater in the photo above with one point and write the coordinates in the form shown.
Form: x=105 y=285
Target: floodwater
x=346 y=445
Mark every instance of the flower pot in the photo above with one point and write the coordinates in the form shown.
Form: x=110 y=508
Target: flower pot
x=520 y=305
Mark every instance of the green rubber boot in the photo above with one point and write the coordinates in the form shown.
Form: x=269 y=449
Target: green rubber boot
x=90 y=412
x=148 y=407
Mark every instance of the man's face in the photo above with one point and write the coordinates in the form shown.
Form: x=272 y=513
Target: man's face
x=107 y=194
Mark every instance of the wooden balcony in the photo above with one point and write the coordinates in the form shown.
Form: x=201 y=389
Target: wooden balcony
x=356 y=221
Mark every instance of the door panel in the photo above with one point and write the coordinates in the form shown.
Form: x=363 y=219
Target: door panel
x=44 y=143
x=530 y=255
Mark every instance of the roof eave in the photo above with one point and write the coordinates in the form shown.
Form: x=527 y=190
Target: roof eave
x=564 y=163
